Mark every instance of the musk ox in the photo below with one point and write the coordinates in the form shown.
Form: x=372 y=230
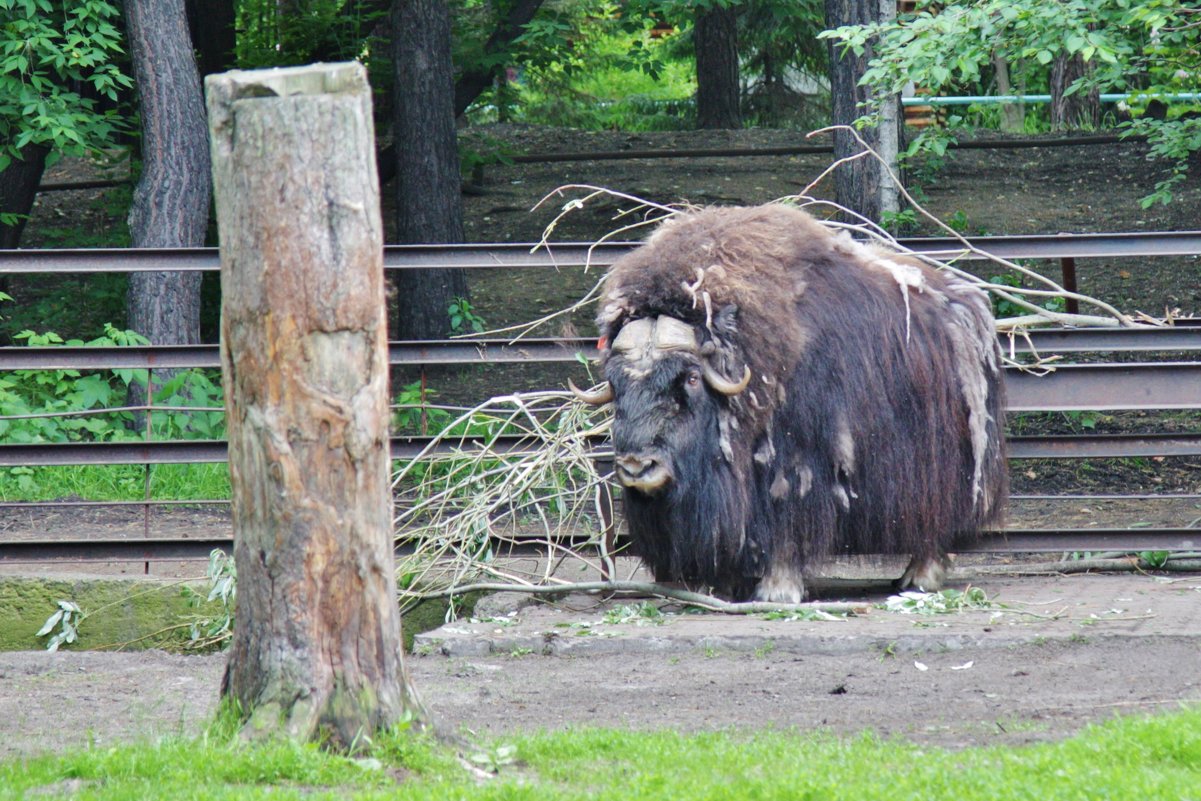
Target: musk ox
x=783 y=393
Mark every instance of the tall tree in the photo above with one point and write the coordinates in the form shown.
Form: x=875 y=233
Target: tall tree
x=45 y=111
x=429 y=204
x=18 y=190
x=316 y=649
x=212 y=24
x=862 y=185
x=171 y=201
x=1075 y=109
x=715 y=39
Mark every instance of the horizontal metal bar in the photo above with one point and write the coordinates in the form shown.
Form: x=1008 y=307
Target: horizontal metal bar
x=1059 y=246
x=1107 y=387
x=405 y=448
x=1111 y=539
x=108 y=260
x=158 y=549
x=153 y=502
x=92 y=453
x=572 y=255
x=162 y=549
x=1105 y=97
x=1095 y=446
x=1183 y=337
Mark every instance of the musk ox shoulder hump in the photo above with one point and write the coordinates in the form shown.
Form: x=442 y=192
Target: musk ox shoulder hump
x=698 y=262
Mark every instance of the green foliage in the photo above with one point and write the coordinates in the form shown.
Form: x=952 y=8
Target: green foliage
x=272 y=34
x=1154 y=559
x=49 y=406
x=645 y=613
x=946 y=601
x=209 y=631
x=898 y=222
x=49 y=52
x=1145 y=47
x=1006 y=308
x=414 y=414
x=66 y=619
x=463 y=318
x=614 y=91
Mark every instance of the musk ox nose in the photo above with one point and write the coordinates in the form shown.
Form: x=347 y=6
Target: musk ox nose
x=643 y=472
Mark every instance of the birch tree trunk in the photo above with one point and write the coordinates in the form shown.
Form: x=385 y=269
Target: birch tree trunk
x=316 y=648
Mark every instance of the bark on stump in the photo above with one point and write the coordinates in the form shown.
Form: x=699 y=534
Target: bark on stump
x=317 y=648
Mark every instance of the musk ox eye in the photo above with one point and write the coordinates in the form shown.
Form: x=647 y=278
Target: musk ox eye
x=692 y=379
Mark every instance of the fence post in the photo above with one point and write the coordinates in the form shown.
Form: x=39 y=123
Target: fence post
x=316 y=646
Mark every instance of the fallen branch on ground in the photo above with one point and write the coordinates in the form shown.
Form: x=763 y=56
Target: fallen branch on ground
x=647 y=588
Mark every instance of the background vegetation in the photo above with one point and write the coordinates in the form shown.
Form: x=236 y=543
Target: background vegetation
x=597 y=64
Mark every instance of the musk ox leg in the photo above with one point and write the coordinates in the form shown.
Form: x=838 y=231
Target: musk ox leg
x=925 y=573
x=781 y=585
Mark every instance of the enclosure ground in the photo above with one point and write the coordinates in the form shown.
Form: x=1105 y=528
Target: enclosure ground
x=1061 y=652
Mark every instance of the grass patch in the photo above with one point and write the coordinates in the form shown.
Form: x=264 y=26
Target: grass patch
x=176 y=482
x=1145 y=758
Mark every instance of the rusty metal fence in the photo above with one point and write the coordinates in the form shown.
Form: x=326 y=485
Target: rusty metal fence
x=1125 y=369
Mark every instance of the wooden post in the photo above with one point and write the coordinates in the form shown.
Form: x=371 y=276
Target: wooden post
x=316 y=648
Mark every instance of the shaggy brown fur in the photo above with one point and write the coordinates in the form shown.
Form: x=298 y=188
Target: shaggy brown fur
x=871 y=423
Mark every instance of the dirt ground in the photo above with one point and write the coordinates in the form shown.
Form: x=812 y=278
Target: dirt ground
x=1048 y=656
x=1044 y=684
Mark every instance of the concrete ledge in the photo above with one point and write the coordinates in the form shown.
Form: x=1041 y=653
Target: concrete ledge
x=1028 y=610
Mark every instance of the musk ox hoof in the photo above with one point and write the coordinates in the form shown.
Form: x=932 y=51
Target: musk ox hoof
x=927 y=575
x=781 y=587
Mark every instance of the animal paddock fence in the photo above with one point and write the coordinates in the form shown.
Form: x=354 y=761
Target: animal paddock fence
x=1139 y=369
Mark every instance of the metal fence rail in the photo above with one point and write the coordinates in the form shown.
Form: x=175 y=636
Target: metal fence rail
x=1110 y=384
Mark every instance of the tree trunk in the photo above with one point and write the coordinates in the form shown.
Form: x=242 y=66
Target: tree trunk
x=171 y=201
x=715 y=39
x=18 y=189
x=863 y=185
x=1013 y=115
x=316 y=648
x=473 y=81
x=1079 y=110
x=211 y=23
x=429 y=203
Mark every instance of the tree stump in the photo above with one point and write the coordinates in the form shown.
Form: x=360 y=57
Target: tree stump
x=316 y=649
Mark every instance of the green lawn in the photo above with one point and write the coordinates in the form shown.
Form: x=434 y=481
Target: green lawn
x=1129 y=758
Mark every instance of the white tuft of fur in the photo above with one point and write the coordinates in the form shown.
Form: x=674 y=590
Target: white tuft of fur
x=927 y=575
x=975 y=358
x=781 y=585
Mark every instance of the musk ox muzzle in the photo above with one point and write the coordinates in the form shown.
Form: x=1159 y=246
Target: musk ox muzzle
x=642 y=346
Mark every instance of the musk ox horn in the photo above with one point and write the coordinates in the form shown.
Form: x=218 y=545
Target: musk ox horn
x=634 y=335
x=596 y=397
x=673 y=334
x=718 y=383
